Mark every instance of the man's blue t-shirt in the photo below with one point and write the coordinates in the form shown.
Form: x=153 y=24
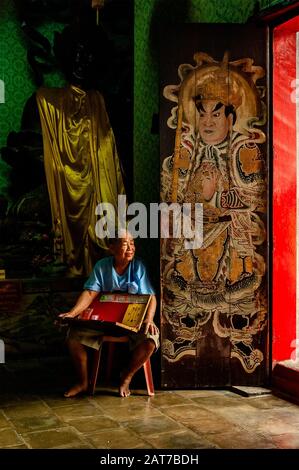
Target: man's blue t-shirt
x=104 y=278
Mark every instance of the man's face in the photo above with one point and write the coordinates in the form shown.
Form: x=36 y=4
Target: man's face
x=213 y=124
x=124 y=249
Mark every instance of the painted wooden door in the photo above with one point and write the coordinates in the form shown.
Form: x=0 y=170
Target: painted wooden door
x=213 y=134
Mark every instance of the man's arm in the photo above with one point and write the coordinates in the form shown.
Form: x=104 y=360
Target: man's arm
x=150 y=327
x=82 y=303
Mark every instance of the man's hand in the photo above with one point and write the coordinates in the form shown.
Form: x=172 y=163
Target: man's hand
x=82 y=303
x=68 y=315
x=150 y=327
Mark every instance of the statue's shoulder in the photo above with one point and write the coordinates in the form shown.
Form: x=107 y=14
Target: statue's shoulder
x=51 y=95
x=96 y=94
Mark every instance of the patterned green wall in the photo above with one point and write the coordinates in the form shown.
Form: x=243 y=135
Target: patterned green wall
x=16 y=75
x=271 y=3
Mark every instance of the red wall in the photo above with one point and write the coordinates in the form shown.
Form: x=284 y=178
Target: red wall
x=284 y=190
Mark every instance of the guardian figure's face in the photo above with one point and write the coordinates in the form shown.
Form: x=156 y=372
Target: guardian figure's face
x=214 y=125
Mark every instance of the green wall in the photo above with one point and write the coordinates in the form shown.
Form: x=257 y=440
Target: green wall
x=271 y=3
x=16 y=75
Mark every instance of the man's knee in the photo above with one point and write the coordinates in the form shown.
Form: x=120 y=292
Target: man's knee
x=148 y=345
x=75 y=346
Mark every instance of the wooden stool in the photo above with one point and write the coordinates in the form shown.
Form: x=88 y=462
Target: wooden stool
x=96 y=363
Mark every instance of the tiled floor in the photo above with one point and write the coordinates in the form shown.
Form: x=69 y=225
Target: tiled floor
x=34 y=414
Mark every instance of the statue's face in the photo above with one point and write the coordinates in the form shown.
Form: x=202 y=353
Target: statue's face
x=213 y=124
x=83 y=64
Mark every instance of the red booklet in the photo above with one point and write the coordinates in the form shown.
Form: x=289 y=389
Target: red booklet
x=123 y=310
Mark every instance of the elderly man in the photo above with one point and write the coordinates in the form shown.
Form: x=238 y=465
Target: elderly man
x=119 y=272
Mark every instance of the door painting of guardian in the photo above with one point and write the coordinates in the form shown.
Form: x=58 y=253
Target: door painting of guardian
x=213 y=142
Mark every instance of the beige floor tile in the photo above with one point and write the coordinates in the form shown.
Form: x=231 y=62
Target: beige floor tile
x=22 y=446
x=52 y=439
x=4 y=423
x=179 y=440
x=26 y=410
x=201 y=393
x=76 y=445
x=58 y=400
x=286 y=441
x=219 y=401
x=35 y=423
x=114 y=400
x=261 y=421
x=289 y=415
x=244 y=440
x=152 y=425
x=166 y=399
x=9 y=437
x=190 y=411
x=139 y=392
x=93 y=424
x=269 y=402
x=211 y=425
x=132 y=411
x=119 y=439
x=275 y=426
x=242 y=415
x=143 y=445
x=66 y=413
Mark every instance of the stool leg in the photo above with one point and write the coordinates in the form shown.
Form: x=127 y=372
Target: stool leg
x=94 y=371
x=111 y=349
x=149 y=377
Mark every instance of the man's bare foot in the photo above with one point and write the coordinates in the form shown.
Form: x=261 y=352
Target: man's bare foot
x=75 y=390
x=124 y=390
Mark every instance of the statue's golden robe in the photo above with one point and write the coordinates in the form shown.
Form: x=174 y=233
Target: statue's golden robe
x=82 y=170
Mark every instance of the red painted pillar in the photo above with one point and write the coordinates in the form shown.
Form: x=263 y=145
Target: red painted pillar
x=284 y=188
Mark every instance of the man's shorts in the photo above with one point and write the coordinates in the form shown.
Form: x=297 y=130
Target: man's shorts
x=93 y=338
